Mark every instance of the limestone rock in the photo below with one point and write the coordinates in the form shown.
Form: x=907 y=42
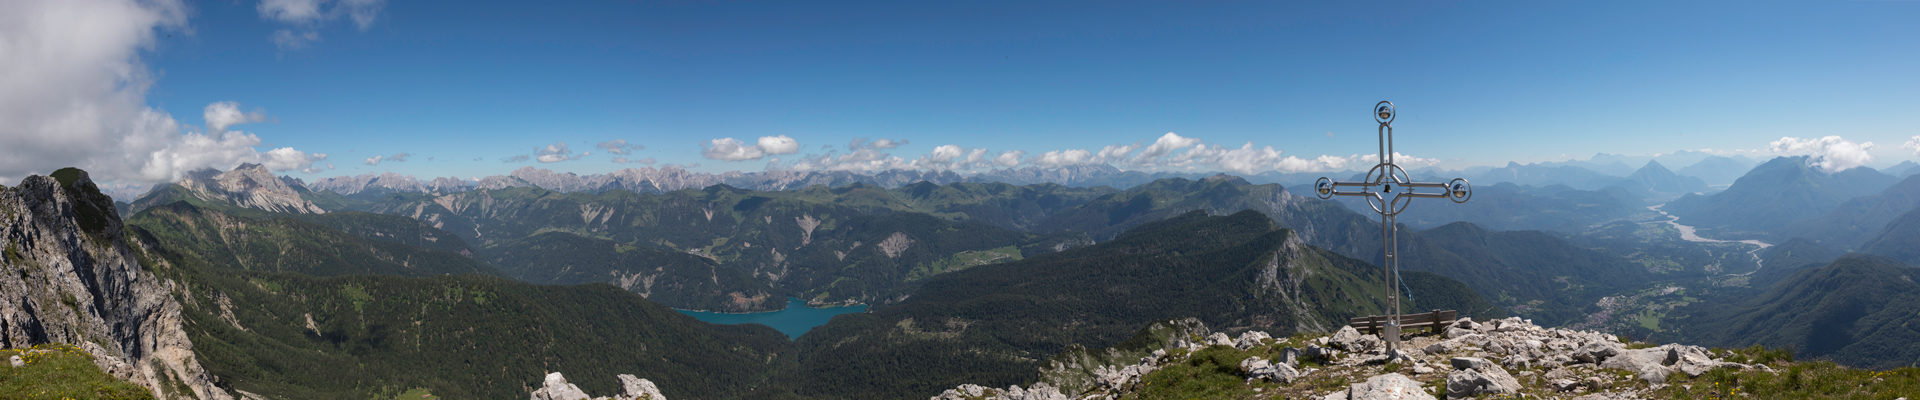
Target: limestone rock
x=1039 y=391
x=1219 y=339
x=1475 y=377
x=1345 y=339
x=1289 y=356
x=556 y=388
x=16 y=362
x=1260 y=368
x=1321 y=354
x=1645 y=363
x=1389 y=386
x=634 y=388
x=1250 y=339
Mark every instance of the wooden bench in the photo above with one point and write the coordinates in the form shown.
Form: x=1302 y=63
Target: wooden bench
x=1438 y=320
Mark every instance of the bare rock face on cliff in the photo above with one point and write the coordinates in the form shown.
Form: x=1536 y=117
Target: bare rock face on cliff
x=68 y=276
x=246 y=186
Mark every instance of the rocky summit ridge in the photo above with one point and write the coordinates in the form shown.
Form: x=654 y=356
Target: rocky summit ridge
x=246 y=186
x=68 y=275
x=1501 y=358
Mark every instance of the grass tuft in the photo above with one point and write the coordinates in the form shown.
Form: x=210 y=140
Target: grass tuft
x=59 y=371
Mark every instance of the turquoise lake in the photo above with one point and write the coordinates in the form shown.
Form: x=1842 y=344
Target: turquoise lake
x=793 y=321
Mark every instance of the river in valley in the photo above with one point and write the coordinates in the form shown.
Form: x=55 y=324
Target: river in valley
x=1687 y=233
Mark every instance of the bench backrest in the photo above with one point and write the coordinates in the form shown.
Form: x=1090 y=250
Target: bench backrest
x=1435 y=317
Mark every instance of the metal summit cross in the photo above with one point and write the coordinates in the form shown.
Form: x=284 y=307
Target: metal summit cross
x=1388 y=190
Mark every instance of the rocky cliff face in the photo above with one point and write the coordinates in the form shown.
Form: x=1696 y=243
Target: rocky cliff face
x=67 y=275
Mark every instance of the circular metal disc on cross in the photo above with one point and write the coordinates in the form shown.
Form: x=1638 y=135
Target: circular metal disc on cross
x=1388 y=189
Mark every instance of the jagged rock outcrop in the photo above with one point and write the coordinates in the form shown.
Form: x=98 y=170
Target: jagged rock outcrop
x=1474 y=376
x=68 y=275
x=1495 y=359
x=248 y=186
x=555 y=387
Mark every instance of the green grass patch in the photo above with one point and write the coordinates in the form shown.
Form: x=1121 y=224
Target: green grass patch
x=964 y=260
x=1812 y=380
x=1648 y=319
x=58 y=371
x=358 y=295
x=415 y=394
x=1212 y=373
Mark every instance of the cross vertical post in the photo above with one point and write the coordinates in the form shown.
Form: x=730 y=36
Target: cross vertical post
x=1388 y=190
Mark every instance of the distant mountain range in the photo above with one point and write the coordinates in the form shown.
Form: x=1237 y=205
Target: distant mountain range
x=1850 y=224
x=1774 y=194
x=667 y=179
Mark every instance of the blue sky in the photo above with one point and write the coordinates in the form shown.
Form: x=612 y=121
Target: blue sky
x=460 y=87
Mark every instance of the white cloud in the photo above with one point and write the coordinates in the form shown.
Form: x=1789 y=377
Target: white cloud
x=223 y=114
x=1913 y=145
x=304 y=18
x=888 y=143
x=1009 y=159
x=286 y=158
x=1064 y=157
x=619 y=147
x=73 y=93
x=778 y=145
x=951 y=157
x=557 y=152
x=375 y=160
x=1117 y=152
x=641 y=161
x=945 y=153
x=1165 y=145
x=1829 y=153
x=730 y=149
x=516 y=158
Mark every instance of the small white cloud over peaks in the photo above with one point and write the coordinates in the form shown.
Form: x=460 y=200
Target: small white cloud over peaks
x=376 y=159
x=619 y=147
x=945 y=153
x=730 y=149
x=1009 y=159
x=1913 y=145
x=778 y=145
x=1064 y=157
x=286 y=158
x=1117 y=152
x=557 y=152
x=223 y=114
x=1829 y=153
x=1166 y=145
